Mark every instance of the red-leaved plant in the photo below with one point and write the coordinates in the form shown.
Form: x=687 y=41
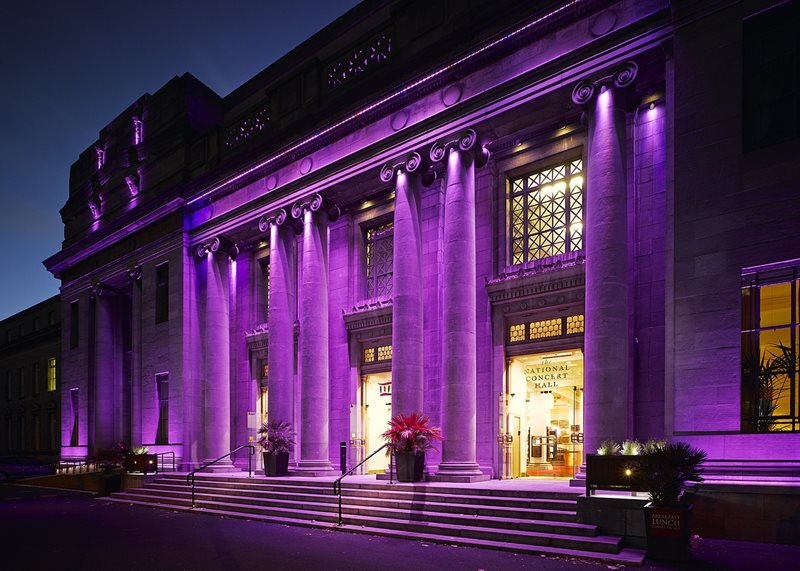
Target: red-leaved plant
x=411 y=433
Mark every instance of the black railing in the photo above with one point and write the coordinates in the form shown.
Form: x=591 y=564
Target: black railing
x=337 y=484
x=160 y=461
x=190 y=475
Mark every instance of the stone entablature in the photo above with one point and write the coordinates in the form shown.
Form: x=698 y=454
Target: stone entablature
x=369 y=320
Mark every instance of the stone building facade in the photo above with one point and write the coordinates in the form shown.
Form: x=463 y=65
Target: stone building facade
x=536 y=223
x=30 y=365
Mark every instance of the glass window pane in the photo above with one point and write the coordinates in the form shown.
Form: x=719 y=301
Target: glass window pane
x=776 y=304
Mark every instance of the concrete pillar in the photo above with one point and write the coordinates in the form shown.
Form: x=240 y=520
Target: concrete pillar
x=313 y=343
x=136 y=356
x=281 y=315
x=216 y=352
x=407 y=329
x=459 y=327
x=606 y=338
x=104 y=369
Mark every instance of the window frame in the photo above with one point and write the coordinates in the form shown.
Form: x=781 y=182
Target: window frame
x=751 y=331
x=525 y=173
x=162 y=293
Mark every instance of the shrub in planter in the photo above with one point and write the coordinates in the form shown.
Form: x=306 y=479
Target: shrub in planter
x=664 y=469
x=276 y=439
x=409 y=437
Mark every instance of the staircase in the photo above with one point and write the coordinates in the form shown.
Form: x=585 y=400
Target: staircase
x=504 y=519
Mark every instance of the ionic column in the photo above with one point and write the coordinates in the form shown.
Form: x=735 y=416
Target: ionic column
x=606 y=336
x=217 y=353
x=135 y=276
x=459 y=317
x=104 y=368
x=314 y=374
x=407 y=329
x=282 y=275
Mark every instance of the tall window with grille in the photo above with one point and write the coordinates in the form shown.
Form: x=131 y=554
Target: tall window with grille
x=770 y=338
x=379 y=255
x=162 y=293
x=546 y=212
x=162 y=388
x=51 y=374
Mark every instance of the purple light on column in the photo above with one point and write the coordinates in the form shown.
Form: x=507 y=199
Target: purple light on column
x=137 y=130
x=101 y=157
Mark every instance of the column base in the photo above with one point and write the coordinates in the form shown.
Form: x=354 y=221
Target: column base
x=579 y=480
x=314 y=468
x=464 y=472
x=221 y=466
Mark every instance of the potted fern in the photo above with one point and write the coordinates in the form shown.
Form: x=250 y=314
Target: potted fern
x=664 y=469
x=409 y=437
x=276 y=439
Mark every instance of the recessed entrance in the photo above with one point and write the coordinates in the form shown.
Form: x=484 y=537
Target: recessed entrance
x=545 y=413
x=376 y=406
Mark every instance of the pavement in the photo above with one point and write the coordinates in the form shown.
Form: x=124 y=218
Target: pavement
x=54 y=530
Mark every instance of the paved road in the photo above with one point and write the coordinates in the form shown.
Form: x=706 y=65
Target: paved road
x=55 y=530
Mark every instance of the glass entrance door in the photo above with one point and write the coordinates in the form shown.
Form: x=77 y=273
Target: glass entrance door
x=376 y=399
x=546 y=392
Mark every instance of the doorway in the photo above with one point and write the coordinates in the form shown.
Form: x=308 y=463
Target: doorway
x=545 y=412
x=376 y=401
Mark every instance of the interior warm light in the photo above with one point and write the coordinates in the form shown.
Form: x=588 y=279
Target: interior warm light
x=628 y=471
x=652 y=106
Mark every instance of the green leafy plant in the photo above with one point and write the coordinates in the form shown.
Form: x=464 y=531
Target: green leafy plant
x=652 y=445
x=276 y=436
x=411 y=432
x=608 y=448
x=666 y=468
x=631 y=448
x=139 y=450
x=766 y=378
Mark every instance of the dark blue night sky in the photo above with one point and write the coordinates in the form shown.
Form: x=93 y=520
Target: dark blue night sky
x=68 y=68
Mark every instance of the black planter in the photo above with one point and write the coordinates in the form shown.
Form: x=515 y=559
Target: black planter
x=612 y=472
x=668 y=532
x=410 y=466
x=146 y=463
x=276 y=464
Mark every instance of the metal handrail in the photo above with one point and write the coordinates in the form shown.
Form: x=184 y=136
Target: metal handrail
x=337 y=484
x=170 y=452
x=190 y=475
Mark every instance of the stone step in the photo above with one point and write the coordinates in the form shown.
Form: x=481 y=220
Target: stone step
x=351 y=497
x=624 y=556
x=528 y=500
x=591 y=543
x=422 y=487
x=411 y=512
x=560 y=509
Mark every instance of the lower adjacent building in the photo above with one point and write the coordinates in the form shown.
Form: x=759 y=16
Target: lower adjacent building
x=542 y=226
x=30 y=362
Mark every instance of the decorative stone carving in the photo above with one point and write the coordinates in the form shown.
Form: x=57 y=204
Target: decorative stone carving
x=94 y=208
x=412 y=164
x=621 y=78
x=135 y=273
x=218 y=244
x=132 y=180
x=278 y=218
x=360 y=60
x=313 y=203
x=246 y=128
x=466 y=141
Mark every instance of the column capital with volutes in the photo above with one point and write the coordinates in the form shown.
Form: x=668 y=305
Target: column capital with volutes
x=218 y=244
x=412 y=164
x=276 y=218
x=315 y=203
x=465 y=141
x=622 y=79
